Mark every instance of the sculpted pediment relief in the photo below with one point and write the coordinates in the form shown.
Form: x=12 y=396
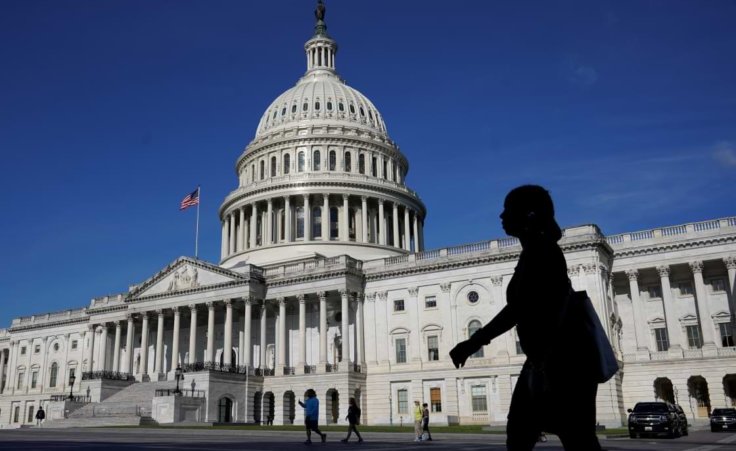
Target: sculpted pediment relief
x=185 y=274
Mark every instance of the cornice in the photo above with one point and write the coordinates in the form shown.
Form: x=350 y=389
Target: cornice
x=315 y=277
x=49 y=324
x=107 y=309
x=201 y=289
x=668 y=247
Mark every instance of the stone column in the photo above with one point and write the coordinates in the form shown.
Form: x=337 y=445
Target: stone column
x=116 y=347
x=175 y=339
x=325 y=217
x=144 y=346
x=381 y=224
x=364 y=218
x=254 y=226
x=281 y=330
x=345 y=218
x=42 y=370
x=642 y=336
x=706 y=322
x=322 y=330
x=359 y=331
x=231 y=233
x=159 y=360
x=2 y=369
x=90 y=339
x=223 y=245
x=730 y=263
x=12 y=356
x=269 y=222
x=210 y=332
x=247 y=318
x=307 y=219
x=345 y=328
x=241 y=235
x=407 y=230
x=673 y=329
x=103 y=348
x=396 y=242
x=192 y=334
x=420 y=237
x=227 y=359
x=129 y=333
x=416 y=232
x=262 y=357
x=302 y=334
x=287 y=219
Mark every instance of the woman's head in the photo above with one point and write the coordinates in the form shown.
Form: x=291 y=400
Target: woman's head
x=352 y=401
x=528 y=212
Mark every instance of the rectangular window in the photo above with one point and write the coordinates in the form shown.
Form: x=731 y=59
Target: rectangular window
x=30 y=414
x=717 y=285
x=16 y=414
x=400 y=350
x=693 y=337
x=435 y=399
x=655 y=291
x=433 y=348
x=726 y=334
x=71 y=373
x=686 y=289
x=37 y=349
x=34 y=379
x=21 y=378
x=430 y=302
x=663 y=341
x=403 y=400
x=479 y=399
x=74 y=344
x=22 y=350
x=399 y=305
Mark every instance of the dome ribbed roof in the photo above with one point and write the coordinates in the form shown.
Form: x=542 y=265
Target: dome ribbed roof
x=321 y=97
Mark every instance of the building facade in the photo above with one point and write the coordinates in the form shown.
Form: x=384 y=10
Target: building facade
x=324 y=283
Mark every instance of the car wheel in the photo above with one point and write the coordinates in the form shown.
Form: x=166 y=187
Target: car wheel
x=632 y=435
x=684 y=431
x=712 y=429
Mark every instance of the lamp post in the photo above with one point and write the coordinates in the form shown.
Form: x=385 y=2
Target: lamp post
x=178 y=375
x=72 y=378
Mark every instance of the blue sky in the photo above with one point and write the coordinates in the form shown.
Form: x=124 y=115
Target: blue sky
x=110 y=112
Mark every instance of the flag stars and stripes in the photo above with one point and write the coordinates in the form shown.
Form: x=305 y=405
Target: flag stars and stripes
x=190 y=200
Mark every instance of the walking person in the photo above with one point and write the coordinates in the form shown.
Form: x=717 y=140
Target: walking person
x=425 y=423
x=353 y=421
x=40 y=416
x=311 y=416
x=418 y=414
x=555 y=391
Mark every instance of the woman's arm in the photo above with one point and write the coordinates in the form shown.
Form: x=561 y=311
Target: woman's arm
x=505 y=320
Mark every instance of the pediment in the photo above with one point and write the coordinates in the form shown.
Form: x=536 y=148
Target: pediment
x=183 y=275
x=721 y=316
x=689 y=318
x=656 y=321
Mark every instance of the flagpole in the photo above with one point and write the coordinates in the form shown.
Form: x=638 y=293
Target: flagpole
x=196 y=233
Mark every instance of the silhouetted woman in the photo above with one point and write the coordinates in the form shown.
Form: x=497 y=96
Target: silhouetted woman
x=550 y=394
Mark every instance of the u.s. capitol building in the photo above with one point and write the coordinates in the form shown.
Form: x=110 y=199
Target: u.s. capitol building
x=324 y=283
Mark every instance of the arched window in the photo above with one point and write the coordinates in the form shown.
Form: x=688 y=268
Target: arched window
x=341 y=106
x=370 y=114
x=300 y=222
x=274 y=114
x=316 y=160
x=333 y=160
x=300 y=162
x=316 y=106
x=316 y=222
x=305 y=106
x=362 y=112
x=329 y=106
x=293 y=108
x=334 y=231
x=283 y=111
x=287 y=163
x=385 y=169
x=361 y=163
x=53 y=374
x=273 y=166
x=348 y=163
x=473 y=327
x=352 y=109
x=252 y=173
x=263 y=169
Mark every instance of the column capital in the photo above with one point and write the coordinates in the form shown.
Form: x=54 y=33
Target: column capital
x=228 y=302
x=247 y=300
x=382 y=295
x=101 y=328
x=573 y=270
x=370 y=297
x=159 y=312
x=632 y=274
x=730 y=262
x=118 y=324
x=590 y=268
x=413 y=291
x=497 y=281
x=343 y=292
x=210 y=305
x=664 y=271
x=144 y=315
x=176 y=310
x=345 y=197
x=301 y=297
x=129 y=316
x=281 y=301
x=192 y=307
x=269 y=201
x=696 y=266
x=445 y=287
x=322 y=295
x=90 y=327
x=364 y=198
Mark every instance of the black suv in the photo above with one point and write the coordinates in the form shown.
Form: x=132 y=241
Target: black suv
x=655 y=418
x=722 y=419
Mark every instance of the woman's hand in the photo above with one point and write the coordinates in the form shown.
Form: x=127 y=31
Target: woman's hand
x=461 y=352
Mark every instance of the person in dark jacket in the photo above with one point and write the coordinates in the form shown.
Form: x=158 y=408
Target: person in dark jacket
x=40 y=416
x=425 y=422
x=353 y=420
x=552 y=394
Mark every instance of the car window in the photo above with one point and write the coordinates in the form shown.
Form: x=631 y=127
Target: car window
x=651 y=407
x=724 y=412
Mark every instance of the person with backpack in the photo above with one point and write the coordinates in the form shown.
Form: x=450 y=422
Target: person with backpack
x=426 y=435
x=40 y=416
x=353 y=421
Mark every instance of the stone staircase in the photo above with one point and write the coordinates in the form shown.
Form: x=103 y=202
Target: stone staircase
x=130 y=406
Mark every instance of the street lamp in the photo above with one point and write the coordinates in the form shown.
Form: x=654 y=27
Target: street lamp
x=72 y=378
x=178 y=375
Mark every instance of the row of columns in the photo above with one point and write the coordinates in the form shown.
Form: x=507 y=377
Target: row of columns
x=321 y=56
x=240 y=229
x=704 y=313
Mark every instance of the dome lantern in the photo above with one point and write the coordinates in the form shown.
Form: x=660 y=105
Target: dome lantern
x=320 y=49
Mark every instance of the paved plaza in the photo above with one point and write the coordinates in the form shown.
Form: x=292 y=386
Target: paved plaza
x=218 y=440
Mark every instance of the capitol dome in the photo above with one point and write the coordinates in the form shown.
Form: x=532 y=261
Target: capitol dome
x=321 y=176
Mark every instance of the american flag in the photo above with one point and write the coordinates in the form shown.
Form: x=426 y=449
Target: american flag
x=190 y=200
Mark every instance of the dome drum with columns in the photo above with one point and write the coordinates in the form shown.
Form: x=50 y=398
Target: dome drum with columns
x=321 y=177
